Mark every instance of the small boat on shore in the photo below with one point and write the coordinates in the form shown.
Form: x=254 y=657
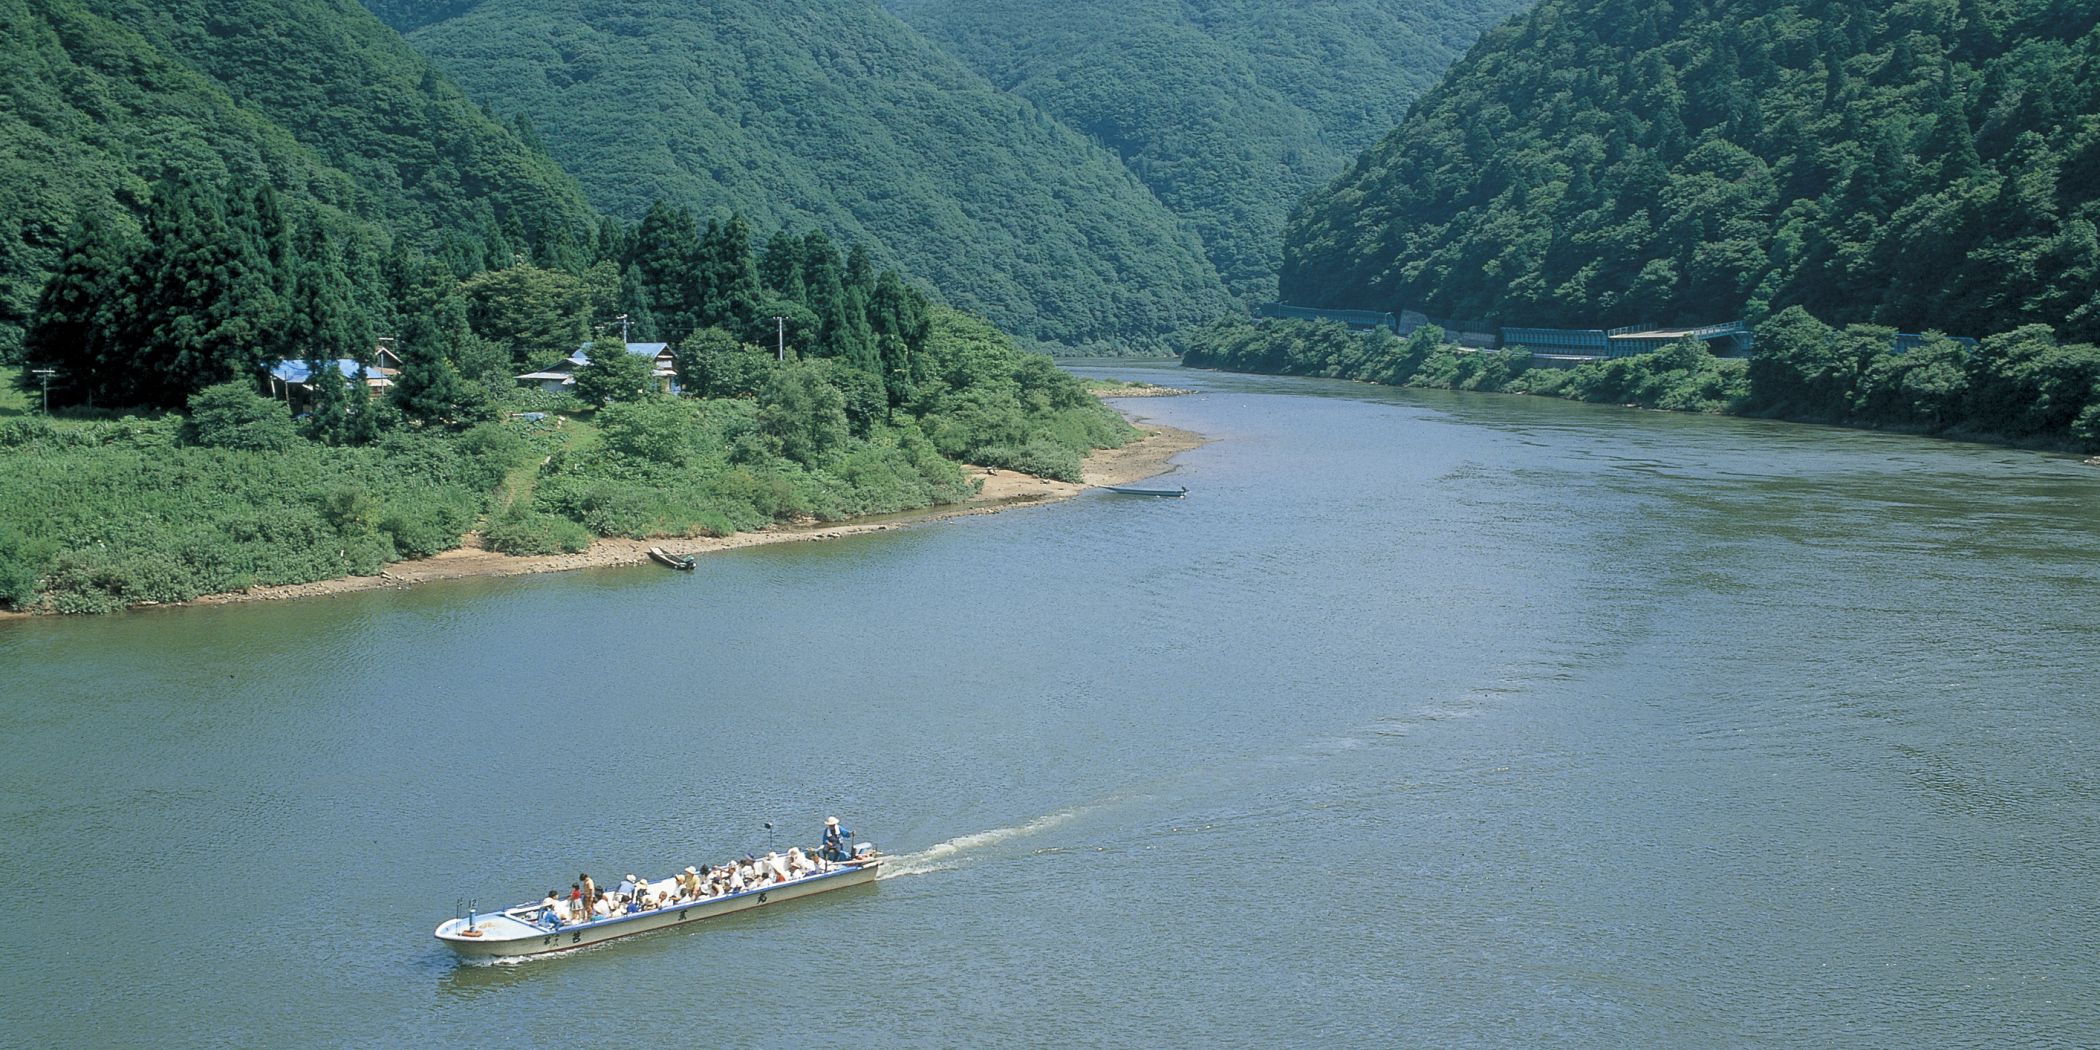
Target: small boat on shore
x=681 y=562
x=529 y=929
x=1145 y=490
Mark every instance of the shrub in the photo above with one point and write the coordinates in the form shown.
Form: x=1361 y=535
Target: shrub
x=524 y=532
x=1044 y=459
x=230 y=415
x=422 y=529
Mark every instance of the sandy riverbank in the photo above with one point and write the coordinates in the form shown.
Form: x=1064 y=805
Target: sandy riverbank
x=1002 y=490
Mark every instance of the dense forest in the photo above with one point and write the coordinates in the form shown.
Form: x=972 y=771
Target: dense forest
x=837 y=116
x=106 y=98
x=1229 y=110
x=814 y=386
x=2021 y=386
x=1919 y=164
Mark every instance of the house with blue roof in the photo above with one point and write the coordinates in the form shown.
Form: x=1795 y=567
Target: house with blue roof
x=292 y=381
x=561 y=376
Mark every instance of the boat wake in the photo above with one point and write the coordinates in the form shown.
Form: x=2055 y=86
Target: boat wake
x=942 y=856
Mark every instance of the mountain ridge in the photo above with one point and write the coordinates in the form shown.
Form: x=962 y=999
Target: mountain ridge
x=845 y=119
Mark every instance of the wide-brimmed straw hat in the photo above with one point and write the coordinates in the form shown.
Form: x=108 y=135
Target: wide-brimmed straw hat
x=690 y=870
x=831 y=822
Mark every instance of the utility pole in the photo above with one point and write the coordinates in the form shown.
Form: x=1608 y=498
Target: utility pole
x=780 y=325
x=623 y=328
x=45 y=375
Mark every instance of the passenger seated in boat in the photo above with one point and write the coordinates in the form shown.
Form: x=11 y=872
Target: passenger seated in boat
x=626 y=887
x=602 y=908
x=689 y=883
x=550 y=909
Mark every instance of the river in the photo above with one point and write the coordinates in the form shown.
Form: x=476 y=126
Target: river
x=1426 y=719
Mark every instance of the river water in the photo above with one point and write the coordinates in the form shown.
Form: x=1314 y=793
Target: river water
x=1427 y=719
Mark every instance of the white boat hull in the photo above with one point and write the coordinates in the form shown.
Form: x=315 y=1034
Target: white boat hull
x=507 y=935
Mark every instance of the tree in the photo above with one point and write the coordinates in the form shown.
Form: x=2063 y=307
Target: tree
x=203 y=298
x=666 y=256
x=530 y=312
x=613 y=374
x=711 y=363
x=233 y=415
x=78 y=312
x=430 y=389
x=728 y=277
x=329 y=328
x=1798 y=368
x=780 y=268
x=802 y=416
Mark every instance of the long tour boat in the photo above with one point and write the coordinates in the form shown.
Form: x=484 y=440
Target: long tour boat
x=536 y=929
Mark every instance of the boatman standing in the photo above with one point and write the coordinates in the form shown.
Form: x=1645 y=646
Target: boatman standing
x=834 y=840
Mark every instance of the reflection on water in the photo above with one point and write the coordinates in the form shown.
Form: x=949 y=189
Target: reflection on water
x=1426 y=719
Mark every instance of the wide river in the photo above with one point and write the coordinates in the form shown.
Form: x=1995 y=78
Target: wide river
x=1424 y=720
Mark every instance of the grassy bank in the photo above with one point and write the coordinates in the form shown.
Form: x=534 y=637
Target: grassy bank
x=97 y=514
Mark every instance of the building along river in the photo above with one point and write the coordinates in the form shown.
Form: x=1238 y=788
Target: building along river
x=1427 y=719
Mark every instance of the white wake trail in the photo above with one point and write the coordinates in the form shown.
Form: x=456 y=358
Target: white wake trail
x=944 y=855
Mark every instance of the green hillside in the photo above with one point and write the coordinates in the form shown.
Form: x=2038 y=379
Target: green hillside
x=835 y=115
x=1929 y=163
x=1229 y=110
x=105 y=98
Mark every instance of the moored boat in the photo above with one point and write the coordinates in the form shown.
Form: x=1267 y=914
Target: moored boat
x=529 y=929
x=681 y=562
x=1144 y=490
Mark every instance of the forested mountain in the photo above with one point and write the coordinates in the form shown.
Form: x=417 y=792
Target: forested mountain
x=105 y=98
x=1924 y=163
x=833 y=114
x=1229 y=110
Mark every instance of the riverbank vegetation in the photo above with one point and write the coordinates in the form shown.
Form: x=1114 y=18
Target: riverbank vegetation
x=2023 y=386
x=811 y=386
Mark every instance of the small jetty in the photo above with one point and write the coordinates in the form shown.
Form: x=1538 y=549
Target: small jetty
x=1150 y=490
x=681 y=562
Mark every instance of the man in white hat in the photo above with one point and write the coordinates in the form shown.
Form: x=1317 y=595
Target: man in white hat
x=834 y=840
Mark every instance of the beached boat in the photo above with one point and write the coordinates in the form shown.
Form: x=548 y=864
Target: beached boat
x=1143 y=490
x=681 y=562
x=527 y=930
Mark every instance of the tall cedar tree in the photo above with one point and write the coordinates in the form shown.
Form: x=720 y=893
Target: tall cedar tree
x=330 y=328
x=78 y=312
x=729 y=286
x=202 y=298
x=666 y=253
